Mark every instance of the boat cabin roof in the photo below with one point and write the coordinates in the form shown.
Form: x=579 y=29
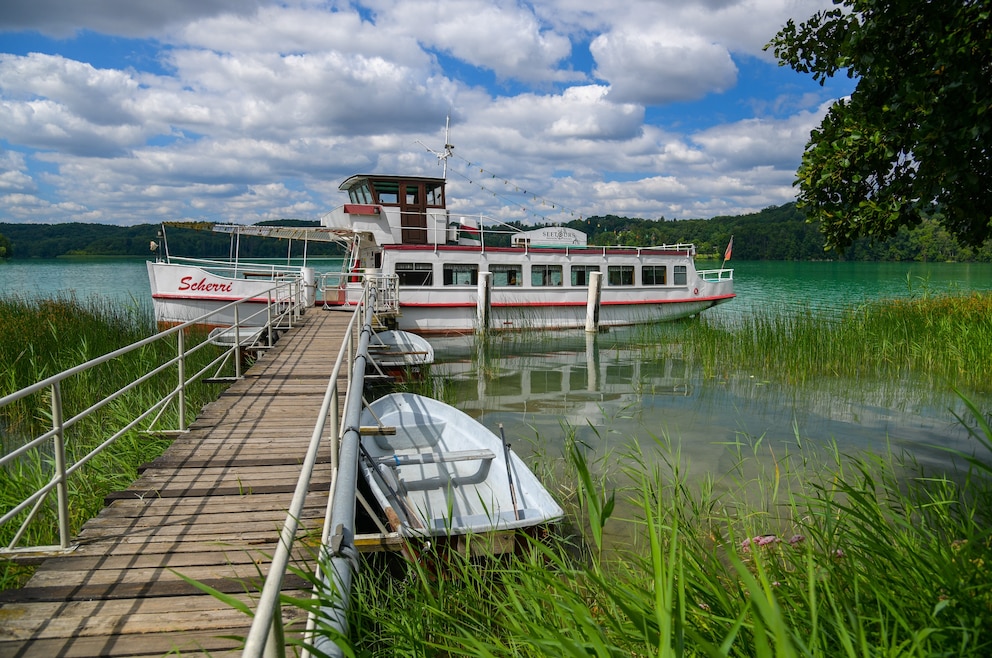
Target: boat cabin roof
x=386 y=189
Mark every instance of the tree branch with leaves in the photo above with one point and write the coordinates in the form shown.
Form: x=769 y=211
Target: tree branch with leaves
x=913 y=140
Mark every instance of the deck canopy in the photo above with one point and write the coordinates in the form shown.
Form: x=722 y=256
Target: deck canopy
x=305 y=233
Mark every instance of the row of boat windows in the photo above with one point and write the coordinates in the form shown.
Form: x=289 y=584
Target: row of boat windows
x=506 y=276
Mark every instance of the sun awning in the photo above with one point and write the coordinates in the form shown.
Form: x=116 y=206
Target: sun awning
x=306 y=233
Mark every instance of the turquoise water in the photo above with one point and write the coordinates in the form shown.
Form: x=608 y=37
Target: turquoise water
x=760 y=285
x=114 y=278
x=615 y=396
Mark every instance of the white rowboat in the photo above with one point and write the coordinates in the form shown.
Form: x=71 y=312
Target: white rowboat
x=443 y=473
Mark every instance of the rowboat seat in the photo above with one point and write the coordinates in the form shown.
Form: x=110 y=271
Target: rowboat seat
x=435 y=457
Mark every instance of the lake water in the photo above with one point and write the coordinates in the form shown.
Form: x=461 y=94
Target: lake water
x=613 y=396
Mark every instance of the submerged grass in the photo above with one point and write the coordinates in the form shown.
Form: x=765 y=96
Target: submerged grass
x=43 y=337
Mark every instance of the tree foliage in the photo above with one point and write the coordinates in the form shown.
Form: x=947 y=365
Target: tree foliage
x=5 y=247
x=913 y=140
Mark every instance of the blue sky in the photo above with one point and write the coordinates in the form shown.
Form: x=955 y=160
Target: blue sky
x=132 y=111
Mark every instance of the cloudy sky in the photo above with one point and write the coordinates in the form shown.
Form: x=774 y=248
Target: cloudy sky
x=139 y=111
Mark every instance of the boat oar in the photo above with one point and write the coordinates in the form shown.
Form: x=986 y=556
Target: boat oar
x=509 y=473
x=393 y=493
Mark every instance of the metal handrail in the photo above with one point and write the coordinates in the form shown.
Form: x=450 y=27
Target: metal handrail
x=265 y=637
x=277 y=315
x=722 y=274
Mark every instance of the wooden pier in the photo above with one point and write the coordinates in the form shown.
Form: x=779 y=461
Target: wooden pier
x=209 y=509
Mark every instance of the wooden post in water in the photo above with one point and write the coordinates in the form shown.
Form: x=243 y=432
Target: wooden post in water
x=484 y=301
x=592 y=302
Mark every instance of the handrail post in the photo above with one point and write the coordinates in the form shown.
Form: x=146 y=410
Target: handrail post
x=61 y=489
x=268 y=320
x=181 y=366
x=237 y=342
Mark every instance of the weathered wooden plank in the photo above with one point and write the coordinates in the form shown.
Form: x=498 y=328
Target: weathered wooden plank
x=142 y=590
x=220 y=490
x=172 y=507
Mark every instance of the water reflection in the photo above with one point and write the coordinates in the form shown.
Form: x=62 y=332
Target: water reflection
x=615 y=394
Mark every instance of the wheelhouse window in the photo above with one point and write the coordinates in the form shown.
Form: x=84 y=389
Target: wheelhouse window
x=435 y=195
x=546 y=275
x=679 y=275
x=507 y=275
x=581 y=274
x=361 y=194
x=654 y=275
x=461 y=275
x=620 y=275
x=415 y=274
x=389 y=192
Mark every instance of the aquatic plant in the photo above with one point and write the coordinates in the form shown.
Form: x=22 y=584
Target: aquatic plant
x=39 y=338
x=940 y=340
x=846 y=555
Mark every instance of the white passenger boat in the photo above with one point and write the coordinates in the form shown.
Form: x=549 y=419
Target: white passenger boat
x=428 y=265
x=538 y=279
x=442 y=473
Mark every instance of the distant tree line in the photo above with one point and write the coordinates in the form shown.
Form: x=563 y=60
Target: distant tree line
x=195 y=240
x=775 y=233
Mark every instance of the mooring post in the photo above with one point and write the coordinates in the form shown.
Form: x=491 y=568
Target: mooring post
x=484 y=301
x=592 y=301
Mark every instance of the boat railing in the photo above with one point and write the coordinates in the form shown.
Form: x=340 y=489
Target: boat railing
x=716 y=276
x=190 y=358
x=386 y=288
x=239 y=269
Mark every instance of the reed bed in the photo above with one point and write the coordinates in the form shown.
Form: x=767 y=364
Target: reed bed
x=841 y=555
x=941 y=340
x=42 y=337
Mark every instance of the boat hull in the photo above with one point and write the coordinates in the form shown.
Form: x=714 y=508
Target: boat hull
x=443 y=473
x=181 y=293
x=456 y=317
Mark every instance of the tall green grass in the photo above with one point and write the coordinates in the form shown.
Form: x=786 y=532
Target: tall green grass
x=940 y=339
x=40 y=338
x=835 y=555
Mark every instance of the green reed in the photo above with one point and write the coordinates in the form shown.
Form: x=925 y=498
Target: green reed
x=40 y=338
x=797 y=554
x=943 y=340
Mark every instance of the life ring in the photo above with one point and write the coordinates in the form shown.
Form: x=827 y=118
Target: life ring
x=695 y=291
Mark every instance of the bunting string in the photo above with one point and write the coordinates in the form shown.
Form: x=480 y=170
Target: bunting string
x=492 y=188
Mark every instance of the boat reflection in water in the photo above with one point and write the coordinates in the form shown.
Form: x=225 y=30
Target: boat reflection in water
x=619 y=396
x=572 y=381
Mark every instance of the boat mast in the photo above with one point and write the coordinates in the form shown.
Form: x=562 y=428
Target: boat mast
x=442 y=157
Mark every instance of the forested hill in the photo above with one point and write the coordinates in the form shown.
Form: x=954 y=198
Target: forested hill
x=775 y=233
x=191 y=240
